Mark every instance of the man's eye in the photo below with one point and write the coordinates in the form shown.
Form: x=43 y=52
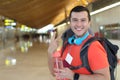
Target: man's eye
x=74 y=20
x=83 y=20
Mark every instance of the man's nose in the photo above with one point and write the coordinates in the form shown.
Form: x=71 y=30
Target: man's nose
x=78 y=23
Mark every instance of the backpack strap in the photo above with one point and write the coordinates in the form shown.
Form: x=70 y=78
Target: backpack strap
x=84 y=53
x=84 y=56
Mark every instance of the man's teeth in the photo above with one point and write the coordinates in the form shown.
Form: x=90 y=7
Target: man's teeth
x=78 y=29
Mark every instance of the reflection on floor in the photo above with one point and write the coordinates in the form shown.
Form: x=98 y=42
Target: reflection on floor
x=23 y=63
x=18 y=64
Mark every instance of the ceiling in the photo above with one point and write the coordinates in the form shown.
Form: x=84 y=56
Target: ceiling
x=39 y=13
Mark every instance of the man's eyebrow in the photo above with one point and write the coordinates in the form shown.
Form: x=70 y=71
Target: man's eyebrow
x=80 y=19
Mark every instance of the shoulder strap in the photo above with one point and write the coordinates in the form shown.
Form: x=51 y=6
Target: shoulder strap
x=84 y=57
x=84 y=53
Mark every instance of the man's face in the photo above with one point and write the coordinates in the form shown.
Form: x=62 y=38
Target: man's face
x=79 y=23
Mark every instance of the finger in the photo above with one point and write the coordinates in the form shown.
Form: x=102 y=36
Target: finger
x=53 y=37
x=58 y=37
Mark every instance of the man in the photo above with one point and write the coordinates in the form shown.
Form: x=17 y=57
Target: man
x=79 y=25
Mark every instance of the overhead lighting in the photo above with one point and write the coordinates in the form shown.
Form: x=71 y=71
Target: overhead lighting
x=45 y=29
x=105 y=8
x=8 y=21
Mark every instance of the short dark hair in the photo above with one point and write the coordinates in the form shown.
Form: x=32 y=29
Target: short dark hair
x=79 y=9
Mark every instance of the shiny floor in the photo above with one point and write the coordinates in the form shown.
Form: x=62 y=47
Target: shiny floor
x=22 y=63
x=16 y=63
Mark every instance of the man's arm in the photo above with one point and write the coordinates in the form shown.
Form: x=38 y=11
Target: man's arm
x=50 y=63
x=102 y=74
x=51 y=50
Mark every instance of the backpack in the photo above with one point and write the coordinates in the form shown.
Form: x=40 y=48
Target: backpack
x=110 y=48
x=111 y=51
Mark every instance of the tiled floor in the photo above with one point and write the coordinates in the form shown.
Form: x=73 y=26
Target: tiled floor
x=31 y=65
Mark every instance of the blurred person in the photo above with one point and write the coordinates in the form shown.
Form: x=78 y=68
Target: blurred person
x=74 y=38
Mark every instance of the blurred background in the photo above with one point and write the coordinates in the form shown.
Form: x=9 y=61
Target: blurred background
x=26 y=27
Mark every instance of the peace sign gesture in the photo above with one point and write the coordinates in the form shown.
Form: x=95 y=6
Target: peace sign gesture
x=54 y=43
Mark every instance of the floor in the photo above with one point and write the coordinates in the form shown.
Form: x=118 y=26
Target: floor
x=27 y=63
x=18 y=64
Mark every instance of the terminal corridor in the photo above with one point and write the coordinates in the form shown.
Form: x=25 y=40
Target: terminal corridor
x=26 y=27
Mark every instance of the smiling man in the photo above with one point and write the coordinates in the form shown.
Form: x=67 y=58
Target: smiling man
x=70 y=54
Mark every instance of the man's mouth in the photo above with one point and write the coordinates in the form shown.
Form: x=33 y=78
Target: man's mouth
x=78 y=29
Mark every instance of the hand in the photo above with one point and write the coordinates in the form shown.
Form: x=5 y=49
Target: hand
x=51 y=49
x=64 y=73
x=54 y=43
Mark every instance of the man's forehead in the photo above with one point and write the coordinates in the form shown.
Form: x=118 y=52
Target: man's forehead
x=79 y=14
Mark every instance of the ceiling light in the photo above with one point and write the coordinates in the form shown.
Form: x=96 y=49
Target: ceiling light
x=105 y=8
x=45 y=29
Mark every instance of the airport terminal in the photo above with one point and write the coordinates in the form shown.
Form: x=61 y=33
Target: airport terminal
x=26 y=27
